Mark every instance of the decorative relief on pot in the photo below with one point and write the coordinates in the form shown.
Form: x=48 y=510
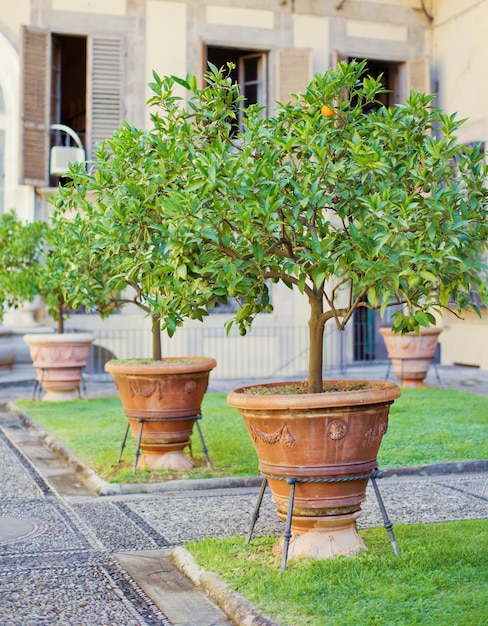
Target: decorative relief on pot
x=378 y=430
x=144 y=392
x=79 y=354
x=190 y=386
x=282 y=434
x=337 y=429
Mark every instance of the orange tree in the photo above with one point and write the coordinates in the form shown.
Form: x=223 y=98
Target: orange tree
x=21 y=255
x=354 y=204
x=49 y=259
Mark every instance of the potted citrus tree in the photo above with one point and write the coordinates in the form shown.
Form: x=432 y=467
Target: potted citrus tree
x=161 y=396
x=21 y=248
x=47 y=259
x=347 y=202
x=21 y=251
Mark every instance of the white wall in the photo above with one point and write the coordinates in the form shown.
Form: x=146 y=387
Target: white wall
x=18 y=197
x=166 y=40
x=460 y=63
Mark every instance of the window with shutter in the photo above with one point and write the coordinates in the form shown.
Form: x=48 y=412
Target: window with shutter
x=398 y=78
x=73 y=80
x=35 y=88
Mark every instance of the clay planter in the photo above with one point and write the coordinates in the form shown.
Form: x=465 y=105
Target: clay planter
x=167 y=395
x=411 y=354
x=7 y=350
x=59 y=361
x=323 y=435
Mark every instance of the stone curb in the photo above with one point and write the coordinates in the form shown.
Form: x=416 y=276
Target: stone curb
x=85 y=473
x=236 y=607
x=103 y=488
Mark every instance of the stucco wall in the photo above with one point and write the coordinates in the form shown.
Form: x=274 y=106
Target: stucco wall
x=460 y=66
x=460 y=63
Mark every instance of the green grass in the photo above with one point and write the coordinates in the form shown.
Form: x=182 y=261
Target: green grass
x=425 y=426
x=440 y=578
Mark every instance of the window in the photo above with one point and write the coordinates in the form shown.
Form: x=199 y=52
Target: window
x=73 y=80
x=389 y=80
x=289 y=68
x=398 y=77
x=250 y=71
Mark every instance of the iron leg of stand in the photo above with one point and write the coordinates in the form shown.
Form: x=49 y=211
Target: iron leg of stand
x=204 y=447
x=387 y=524
x=34 y=391
x=38 y=387
x=437 y=374
x=82 y=386
x=388 y=369
x=138 y=447
x=287 y=536
x=122 y=445
x=255 y=514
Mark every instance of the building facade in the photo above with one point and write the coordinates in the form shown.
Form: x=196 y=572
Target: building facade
x=86 y=64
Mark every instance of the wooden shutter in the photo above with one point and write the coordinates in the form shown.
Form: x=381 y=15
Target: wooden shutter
x=105 y=82
x=34 y=106
x=337 y=57
x=294 y=71
x=340 y=57
x=418 y=75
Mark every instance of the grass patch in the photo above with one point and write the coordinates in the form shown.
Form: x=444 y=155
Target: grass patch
x=425 y=426
x=440 y=578
x=93 y=431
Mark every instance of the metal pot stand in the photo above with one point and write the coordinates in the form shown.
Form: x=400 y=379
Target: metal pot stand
x=141 y=421
x=376 y=473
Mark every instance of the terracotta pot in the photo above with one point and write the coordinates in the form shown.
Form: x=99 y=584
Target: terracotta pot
x=59 y=361
x=411 y=354
x=167 y=395
x=7 y=350
x=327 y=435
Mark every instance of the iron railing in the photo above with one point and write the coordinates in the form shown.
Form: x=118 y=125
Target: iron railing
x=266 y=352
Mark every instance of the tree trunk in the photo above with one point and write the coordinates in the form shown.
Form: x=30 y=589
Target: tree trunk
x=60 y=319
x=156 y=339
x=316 y=339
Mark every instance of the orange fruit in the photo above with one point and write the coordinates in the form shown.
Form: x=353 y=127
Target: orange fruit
x=327 y=111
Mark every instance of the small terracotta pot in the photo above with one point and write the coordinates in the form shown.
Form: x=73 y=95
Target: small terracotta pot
x=326 y=435
x=167 y=395
x=59 y=360
x=411 y=354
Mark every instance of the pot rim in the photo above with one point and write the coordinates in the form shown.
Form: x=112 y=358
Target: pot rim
x=424 y=331
x=58 y=338
x=167 y=365
x=377 y=392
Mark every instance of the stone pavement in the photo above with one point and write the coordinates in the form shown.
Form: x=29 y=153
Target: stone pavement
x=70 y=557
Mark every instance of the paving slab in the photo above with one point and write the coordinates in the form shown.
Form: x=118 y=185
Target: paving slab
x=169 y=589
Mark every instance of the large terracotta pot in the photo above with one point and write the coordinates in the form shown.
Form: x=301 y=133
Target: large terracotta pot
x=411 y=354
x=166 y=395
x=59 y=360
x=335 y=434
